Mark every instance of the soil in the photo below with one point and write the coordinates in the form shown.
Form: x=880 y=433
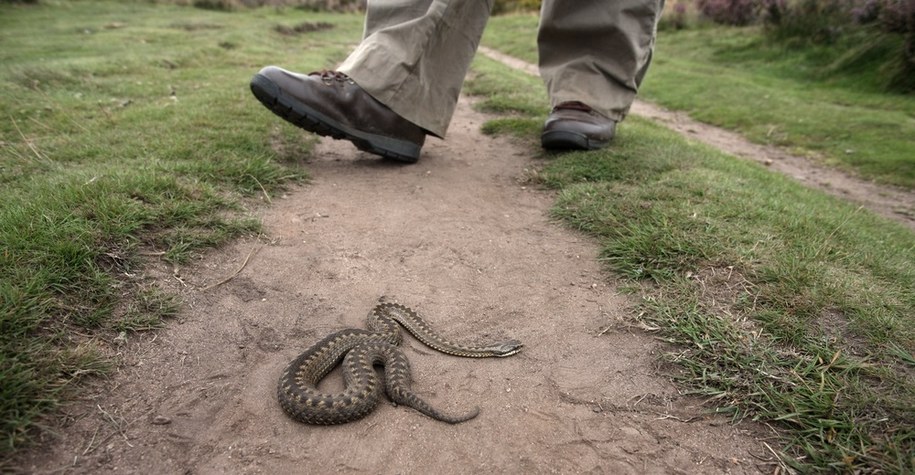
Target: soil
x=467 y=241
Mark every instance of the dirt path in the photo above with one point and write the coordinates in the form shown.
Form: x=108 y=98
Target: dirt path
x=461 y=238
x=894 y=203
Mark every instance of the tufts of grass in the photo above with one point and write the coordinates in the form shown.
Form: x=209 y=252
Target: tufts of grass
x=507 y=95
x=126 y=127
x=512 y=126
x=147 y=311
x=784 y=305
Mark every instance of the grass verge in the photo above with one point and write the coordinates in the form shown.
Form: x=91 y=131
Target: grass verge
x=127 y=129
x=769 y=92
x=783 y=304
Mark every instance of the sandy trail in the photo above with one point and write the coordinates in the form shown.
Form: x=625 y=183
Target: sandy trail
x=462 y=238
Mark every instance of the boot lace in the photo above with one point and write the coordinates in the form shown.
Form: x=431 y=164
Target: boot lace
x=329 y=77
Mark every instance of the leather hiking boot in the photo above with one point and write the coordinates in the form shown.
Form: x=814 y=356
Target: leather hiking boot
x=575 y=126
x=329 y=103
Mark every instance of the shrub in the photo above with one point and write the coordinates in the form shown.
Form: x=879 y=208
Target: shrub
x=218 y=5
x=897 y=17
x=674 y=16
x=874 y=34
x=819 y=21
x=729 y=12
x=773 y=11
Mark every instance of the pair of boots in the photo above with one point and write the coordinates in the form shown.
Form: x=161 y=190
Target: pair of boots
x=330 y=103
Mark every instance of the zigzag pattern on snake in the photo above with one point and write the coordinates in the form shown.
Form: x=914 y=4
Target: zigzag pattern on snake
x=360 y=351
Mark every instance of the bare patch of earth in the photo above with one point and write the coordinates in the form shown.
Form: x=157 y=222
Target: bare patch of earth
x=462 y=238
x=888 y=201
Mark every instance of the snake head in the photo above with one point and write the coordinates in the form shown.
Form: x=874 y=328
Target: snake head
x=507 y=348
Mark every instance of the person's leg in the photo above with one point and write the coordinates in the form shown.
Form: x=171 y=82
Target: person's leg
x=593 y=57
x=415 y=55
x=400 y=83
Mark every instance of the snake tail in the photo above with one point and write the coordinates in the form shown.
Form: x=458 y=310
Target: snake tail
x=398 y=386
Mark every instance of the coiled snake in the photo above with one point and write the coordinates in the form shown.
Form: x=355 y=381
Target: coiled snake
x=360 y=350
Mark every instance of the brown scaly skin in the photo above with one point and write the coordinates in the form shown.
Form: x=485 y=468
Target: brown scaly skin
x=360 y=351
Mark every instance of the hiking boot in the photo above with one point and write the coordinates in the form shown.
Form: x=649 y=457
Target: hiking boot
x=331 y=104
x=575 y=126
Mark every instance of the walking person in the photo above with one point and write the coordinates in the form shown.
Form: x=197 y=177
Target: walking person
x=403 y=80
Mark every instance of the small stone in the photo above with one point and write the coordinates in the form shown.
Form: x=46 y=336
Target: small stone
x=161 y=421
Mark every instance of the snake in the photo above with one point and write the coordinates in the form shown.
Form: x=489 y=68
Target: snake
x=360 y=350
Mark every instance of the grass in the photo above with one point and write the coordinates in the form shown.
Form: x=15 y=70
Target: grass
x=126 y=128
x=773 y=93
x=127 y=131
x=782 y=304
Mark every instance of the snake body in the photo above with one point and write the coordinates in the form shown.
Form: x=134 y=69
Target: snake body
x=360 y=350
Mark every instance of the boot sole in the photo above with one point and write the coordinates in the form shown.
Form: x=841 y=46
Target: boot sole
x=562 y=140
x=303 y=116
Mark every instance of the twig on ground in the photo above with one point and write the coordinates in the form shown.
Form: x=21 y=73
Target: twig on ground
x=781 y=463
x=118 y=429
x=266 y=195
x=641 y=398
x=179 y=279
x=27 y=141
x=42 y=124
x=243 y=264
x=91 y=441
x=662 y=417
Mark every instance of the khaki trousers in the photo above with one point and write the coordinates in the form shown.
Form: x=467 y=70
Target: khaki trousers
x=415 y=53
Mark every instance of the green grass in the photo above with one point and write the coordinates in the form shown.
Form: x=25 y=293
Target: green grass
x=127 y=132
x=783 y=304
x=772 y=93
x=127 y=128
